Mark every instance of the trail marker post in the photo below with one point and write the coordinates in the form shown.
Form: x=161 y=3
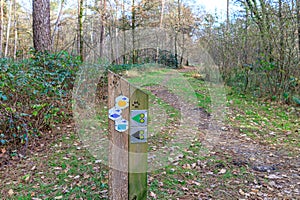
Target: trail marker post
x=128 y=134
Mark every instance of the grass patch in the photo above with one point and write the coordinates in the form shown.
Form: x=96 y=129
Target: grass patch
x=263 y=120
x=67 y=171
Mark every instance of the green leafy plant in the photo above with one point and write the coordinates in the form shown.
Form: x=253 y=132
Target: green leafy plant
x=34 y=94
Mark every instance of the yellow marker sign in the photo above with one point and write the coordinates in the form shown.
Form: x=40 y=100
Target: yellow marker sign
x=122 y=102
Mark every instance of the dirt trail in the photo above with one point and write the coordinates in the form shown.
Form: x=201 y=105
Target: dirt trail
x=265 y=161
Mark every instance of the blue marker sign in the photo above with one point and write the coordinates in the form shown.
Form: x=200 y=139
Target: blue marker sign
x=114 y=113
x=121 y=125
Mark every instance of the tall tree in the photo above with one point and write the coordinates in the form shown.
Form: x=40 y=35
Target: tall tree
x=80 y=29
x=102 y=7
x=123 y=28
x=1 y=26
x=57 y=22
x=41 y=25
x=16 y=29
x=281 y=39
x=227 y=15
x=178 y=30
x=8 y=29
x=298 y=23
x=162 y=13
x=133 y=26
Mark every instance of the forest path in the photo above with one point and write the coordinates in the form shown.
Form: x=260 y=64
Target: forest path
x=269 y=162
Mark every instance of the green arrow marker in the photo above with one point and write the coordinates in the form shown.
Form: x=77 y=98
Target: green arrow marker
x=139 y=118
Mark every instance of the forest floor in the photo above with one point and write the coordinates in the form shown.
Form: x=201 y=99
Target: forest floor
x=256 y=156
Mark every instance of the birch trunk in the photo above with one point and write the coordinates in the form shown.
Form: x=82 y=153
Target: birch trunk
x=8 y=29
x=55 y=30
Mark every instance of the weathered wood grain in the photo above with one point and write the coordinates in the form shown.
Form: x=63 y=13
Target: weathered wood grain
x=118 y=148
x=138 y=153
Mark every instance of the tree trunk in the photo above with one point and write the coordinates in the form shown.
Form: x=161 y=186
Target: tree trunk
x=227 y=16
x=80 y=30
x=57 y=22
x=124 y=33
x=281 y=42
x=41 y=25
x=162 y=13
x=115 y=54
x=177 y=31
x=259 y=20
x=102 y=7
x=298 y=23
x=246 y=37
x=16 y=30
x=8 y=29
x=133 y=24
x=1 y=28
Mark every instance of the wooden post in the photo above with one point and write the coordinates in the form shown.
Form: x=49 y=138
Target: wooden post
x=128 y=114
x=118 y=146
x=138 y=145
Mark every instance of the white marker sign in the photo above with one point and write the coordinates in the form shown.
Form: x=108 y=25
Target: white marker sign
x=115 y=113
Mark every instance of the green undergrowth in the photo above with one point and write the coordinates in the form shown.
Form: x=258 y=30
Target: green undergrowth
x=34 y=95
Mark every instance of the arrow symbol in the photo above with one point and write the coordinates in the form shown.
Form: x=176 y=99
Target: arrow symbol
x=140 y=118
x=139 y=135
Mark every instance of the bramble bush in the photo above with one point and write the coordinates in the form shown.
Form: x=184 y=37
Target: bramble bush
x=34 y=94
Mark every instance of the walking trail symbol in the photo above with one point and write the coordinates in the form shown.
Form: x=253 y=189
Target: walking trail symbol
x=139 y=118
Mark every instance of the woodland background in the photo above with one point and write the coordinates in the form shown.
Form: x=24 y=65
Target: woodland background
x=255 y=45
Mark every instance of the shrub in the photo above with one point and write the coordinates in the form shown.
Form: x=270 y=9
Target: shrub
x=34 y=94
